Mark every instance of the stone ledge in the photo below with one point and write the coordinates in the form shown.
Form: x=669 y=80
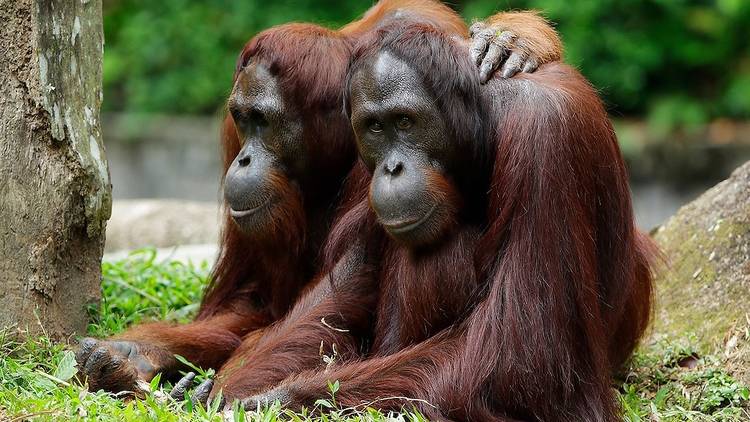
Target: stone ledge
x=162 y=224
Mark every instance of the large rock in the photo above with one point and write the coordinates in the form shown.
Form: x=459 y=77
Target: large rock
x=705 y=287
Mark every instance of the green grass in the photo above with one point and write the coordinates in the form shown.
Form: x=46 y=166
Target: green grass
x=659 y=388
x=37 y=377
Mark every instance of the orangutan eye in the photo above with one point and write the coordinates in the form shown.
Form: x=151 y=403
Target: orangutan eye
x=258 y=119
x=375 y=126
x=404 y=123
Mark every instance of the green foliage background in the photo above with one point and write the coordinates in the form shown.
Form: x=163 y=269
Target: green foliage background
x=681 y=63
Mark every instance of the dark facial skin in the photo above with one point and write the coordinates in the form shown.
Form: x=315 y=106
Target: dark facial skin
x=402 y=137
x=272 y=154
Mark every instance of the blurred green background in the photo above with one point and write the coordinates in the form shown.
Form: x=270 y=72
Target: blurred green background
x=675 y=75
x=679 y=63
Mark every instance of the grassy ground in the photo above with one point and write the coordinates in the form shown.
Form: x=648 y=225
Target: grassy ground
x=665 y=381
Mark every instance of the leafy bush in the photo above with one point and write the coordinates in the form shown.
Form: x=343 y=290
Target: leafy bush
x=177 y=56
x=680 y=62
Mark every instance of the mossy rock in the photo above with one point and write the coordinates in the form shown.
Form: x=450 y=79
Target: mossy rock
x=704 y=287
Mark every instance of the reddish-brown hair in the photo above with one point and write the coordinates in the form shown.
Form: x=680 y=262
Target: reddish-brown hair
x=385 y=12
x=559 y=287
x=255 y=280
x=310 y=64
x=522 y=312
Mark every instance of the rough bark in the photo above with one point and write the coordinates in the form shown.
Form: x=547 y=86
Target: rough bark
x=55 y=194
x=705 y=288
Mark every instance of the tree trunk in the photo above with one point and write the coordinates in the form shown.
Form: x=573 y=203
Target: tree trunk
x=55 y=194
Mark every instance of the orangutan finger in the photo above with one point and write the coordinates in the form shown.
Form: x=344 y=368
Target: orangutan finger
x=476 y=27
x=479 y=44
x=514 y=63
x=178 y=391
x=109 y=372
x=85 y=347
x=202 y=391
x=531 y=65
